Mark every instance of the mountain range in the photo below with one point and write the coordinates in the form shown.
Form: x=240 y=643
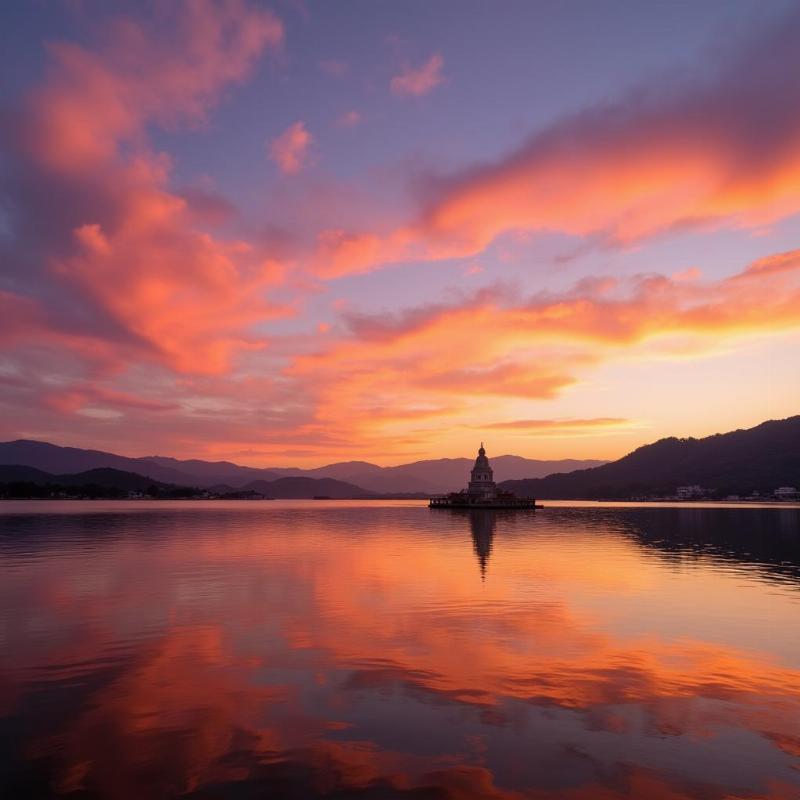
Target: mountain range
x=104 y=477
x=759 y=459
x=23 y=481
x=423 y=477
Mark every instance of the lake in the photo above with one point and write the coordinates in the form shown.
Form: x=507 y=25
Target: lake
x=307 y=649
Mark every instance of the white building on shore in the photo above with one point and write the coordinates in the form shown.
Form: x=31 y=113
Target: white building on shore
x=690 y=492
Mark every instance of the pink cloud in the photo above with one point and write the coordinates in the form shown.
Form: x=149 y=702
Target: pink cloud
x=420 y=80
x=290 y=150
x=349 y=119
x=125 y=249
x=538 y=348
x=171 y=73
x=722 y=151
x=155 y=310
x=334 y=67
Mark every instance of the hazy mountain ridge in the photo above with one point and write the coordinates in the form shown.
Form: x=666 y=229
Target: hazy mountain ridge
x=104 y=477
x=218 y=471
x=57 y=460
x=436 y=475
x=428 y=476
x=110 y=478
x=299 y=487
x=760 y=458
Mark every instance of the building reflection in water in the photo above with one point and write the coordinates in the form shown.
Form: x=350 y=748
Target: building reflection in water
x=482 y=524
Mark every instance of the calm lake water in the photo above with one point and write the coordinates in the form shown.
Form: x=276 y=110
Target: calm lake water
x=385 y=650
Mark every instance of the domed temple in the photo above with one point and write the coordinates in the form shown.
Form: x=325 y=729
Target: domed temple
x=481 y=491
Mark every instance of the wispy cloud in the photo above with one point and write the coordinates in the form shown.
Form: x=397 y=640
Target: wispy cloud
x=492 y=347
x=537 y=425
x=421 y=80
x=349 y=119
x=290 y=150
x=334 y=67
x=723 y=150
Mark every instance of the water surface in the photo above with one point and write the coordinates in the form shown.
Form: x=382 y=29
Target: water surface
x=385 y=650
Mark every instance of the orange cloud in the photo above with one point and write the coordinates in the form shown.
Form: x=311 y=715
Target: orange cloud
x=125 y=246
x=169 y=73
x=437 y=360
x=720 y=151
x=417 y=81
x=183 y=293
x=539 y=425
x=290 y=150
x=389 y=385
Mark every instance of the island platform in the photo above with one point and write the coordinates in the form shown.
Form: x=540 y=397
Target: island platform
x=482 y=492
x=463 y=500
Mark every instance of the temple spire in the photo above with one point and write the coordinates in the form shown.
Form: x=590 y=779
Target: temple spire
x=481 y=484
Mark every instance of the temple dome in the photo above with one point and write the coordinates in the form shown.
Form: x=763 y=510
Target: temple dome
x=482 y=477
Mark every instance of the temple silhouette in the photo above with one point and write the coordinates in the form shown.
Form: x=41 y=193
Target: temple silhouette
x=482 y=491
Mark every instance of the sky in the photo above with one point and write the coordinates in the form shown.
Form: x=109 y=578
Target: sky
x=293 y=233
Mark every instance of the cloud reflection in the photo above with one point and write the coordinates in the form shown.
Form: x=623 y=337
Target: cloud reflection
x=323 y=662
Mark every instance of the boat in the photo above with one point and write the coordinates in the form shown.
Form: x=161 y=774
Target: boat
x=482 y=492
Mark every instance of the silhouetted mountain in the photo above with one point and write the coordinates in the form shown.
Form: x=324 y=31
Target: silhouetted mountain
x=761 y=458
x=427 y=477
x=341 y=470
x=18 y=481
x=108 y=478
x=69 y=460
x=301 y=487
x=208 y=473
x=10 y=473
x=433 y=476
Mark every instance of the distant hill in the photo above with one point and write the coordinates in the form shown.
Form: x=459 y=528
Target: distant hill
x=427 y=477
x=761 y=458
x=10 y=473
x=207 y=473
x=435 y=475
x=103 y=476
x=22 y=481
x=120 y=483
x=58 y=460
x=109 y=478
x=301 y=487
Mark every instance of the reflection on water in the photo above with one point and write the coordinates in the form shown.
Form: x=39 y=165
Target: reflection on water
x=482 y=523
x=370 y=650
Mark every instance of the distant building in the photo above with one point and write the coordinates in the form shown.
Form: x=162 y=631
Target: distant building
x=787 y=493
x=690 y=492
x=481 y=492
x=481 y=484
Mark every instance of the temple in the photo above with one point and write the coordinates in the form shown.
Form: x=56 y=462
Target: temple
x=482 y=491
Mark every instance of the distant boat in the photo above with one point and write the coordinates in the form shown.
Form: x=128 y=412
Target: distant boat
x=482 y=491
x=321 y=497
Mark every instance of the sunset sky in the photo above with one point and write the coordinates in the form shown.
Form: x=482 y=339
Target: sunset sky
x=292 y=233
